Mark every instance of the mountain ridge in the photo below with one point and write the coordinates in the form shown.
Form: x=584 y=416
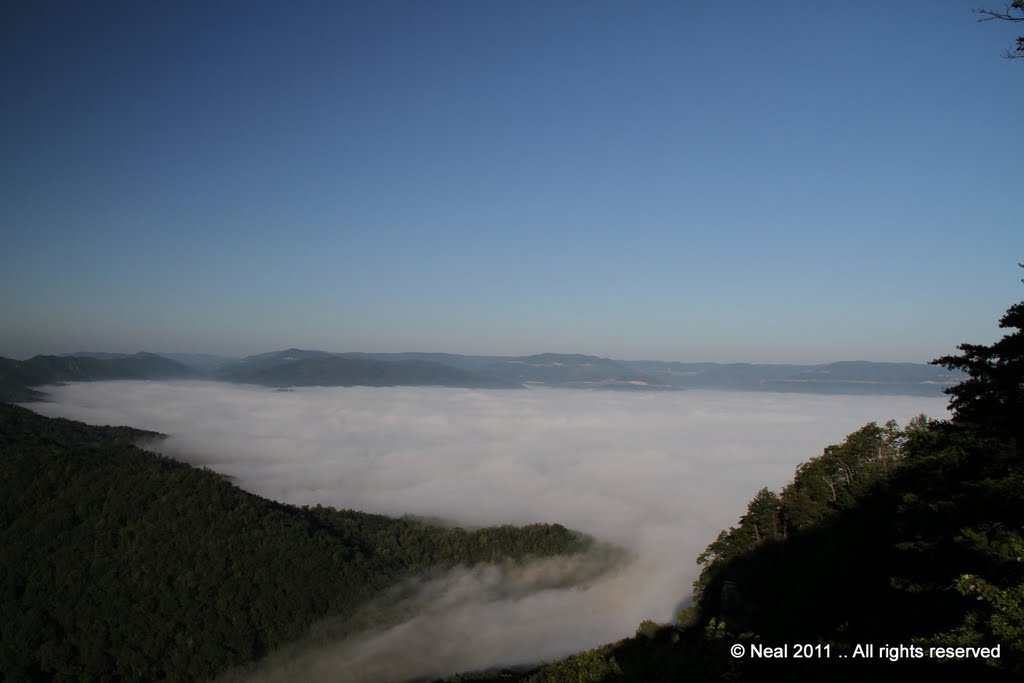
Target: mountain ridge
x=294 y=367
x=298 y=367
x=120 y=563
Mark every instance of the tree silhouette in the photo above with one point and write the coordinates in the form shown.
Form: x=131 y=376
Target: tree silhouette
x=1013 y=12
x=992 y=396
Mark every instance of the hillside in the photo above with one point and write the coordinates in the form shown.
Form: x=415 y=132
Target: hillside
x=17 y=376
x=895 y=536
x=119 y=563
x=910 y=537
x=296 y=367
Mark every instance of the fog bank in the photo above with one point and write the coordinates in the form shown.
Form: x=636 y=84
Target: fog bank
x=657 y=473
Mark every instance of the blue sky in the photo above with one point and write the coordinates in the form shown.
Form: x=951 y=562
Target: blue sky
x=782 y=182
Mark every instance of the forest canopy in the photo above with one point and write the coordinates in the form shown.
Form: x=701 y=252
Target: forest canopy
x=119 y=563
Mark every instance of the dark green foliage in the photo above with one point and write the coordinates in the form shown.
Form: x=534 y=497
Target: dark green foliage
x=840 y=477
x=119 y=563
x=896 y=536
x=834 y=481
x=663 y=654
x=593 y=665
x=992 y=397
x=647 y=628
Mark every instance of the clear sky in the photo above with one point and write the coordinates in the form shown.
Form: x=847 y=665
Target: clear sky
x=771 y=182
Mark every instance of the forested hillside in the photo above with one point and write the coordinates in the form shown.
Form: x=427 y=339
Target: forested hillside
x=118 y=563
x=17 y=376
x=908 y=536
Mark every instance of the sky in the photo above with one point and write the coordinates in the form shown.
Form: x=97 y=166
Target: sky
x=695 y=181
x=656 y=474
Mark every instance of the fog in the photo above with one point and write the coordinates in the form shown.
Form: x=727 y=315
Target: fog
x=658 y=474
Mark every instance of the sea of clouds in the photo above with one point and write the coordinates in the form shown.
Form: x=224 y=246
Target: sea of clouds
x=659 y=474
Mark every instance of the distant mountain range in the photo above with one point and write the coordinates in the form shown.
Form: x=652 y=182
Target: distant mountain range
x=17 y=377
x=843 y=377
x=550 y=369
x=298 y=367
x=575 y=370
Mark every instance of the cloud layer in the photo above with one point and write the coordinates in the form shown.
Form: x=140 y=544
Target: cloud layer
x=657 y=473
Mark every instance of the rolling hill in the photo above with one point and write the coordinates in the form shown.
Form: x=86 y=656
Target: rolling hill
x=16 y=377
x=297 y=368
x=122 y=564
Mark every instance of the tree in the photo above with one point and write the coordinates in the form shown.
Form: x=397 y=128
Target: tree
x=968 y=509
x=992 y=397
x=1013 y=12
x=762 y=521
